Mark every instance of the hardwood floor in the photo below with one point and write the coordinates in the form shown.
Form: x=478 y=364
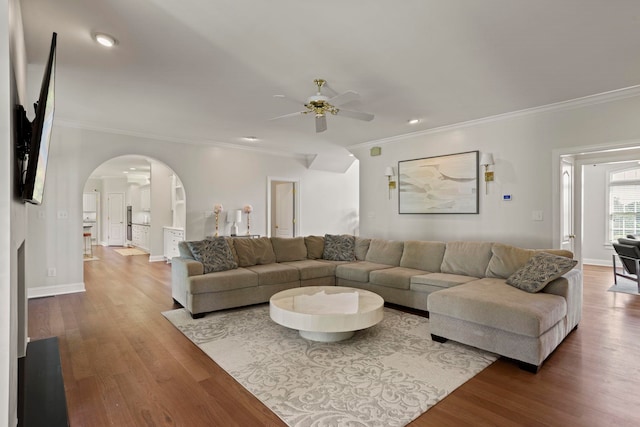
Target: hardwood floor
x=124 y=364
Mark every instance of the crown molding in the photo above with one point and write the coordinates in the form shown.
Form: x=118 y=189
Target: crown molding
x=584 y=101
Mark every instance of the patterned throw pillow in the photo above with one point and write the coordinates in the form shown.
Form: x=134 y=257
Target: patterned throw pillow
x=541 y=269
x=214 y=253
x=339 y=247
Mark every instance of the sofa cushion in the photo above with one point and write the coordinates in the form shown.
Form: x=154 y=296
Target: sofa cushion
x=275 y=274
x=289 y=248
x=541 y=269
x=507 y=259
x=362 y=247
x=214 y=254
x=493 y=303
x=222 y=281
x=394 y=277
x=254 y=251
x=432 y=282
x=339 y=247
x=466 y=258
x=385 y=252
x=423 y=255
x=233 y=247
x=315 y=246
x=312 y=269
x=358 y=271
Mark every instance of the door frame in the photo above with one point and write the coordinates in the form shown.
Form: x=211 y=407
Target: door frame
x=296 y=203
x=583 y=155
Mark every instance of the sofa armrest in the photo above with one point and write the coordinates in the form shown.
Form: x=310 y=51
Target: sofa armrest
x=181 y=270
x=569 y=286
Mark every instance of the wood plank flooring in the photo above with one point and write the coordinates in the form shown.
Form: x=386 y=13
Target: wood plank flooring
x=124 y=364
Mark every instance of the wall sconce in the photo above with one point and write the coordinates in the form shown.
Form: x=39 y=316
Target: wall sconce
x=234 y=218
x=388 y=172
x=486 y=160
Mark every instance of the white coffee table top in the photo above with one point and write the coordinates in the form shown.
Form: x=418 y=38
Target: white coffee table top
x=330 y=326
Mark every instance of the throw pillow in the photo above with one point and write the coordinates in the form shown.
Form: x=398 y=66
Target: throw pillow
x=214 y=254
x=541 y=269
x=339 y=247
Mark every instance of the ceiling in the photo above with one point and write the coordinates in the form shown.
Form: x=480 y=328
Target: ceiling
x=206 y=71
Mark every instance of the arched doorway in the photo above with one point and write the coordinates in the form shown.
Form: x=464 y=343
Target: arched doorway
x=135 y=204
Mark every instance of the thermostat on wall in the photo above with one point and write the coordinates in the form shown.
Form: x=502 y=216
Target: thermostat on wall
x=506 y=197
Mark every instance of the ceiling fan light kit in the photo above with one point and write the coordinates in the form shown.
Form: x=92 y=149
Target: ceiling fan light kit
x=320 y=105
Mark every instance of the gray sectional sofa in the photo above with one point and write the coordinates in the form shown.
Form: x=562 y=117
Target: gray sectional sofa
x=463 y=285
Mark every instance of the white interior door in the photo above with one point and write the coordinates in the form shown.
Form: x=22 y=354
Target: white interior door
x=284 y=209
x=115 y=219
x=566 y=204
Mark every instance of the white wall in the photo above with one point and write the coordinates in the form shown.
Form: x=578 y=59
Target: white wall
x=13 y=308
x=522 y=146
x=160 y=208
x=209 y=174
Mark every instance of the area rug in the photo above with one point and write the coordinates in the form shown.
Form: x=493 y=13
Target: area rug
x=386 y=375
x=93 y=258
x=626 y=287
x=130 y=251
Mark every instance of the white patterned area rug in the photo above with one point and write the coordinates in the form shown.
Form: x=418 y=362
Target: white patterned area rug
x=386 y=375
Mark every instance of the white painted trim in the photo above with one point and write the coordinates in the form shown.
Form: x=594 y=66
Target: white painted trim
x=600 y=262
x=47 y=291
x=156 y=258
x=558 y=106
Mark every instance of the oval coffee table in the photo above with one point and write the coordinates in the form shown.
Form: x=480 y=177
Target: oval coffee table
x=328 y=324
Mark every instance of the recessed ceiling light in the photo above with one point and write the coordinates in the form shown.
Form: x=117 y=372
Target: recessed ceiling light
x=250 y=138
x=105 y=39
x=413 y=121
x=125 y=171
x=132 y=169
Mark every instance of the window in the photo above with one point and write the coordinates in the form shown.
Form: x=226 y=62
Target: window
x=624 y=203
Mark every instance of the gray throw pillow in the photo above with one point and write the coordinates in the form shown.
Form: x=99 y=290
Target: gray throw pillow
x=339 y=247
x=541 y=269
x=214 y=253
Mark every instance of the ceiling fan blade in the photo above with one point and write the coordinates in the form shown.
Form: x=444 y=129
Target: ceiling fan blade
x=359 y=115
x=291 y=100
x=289 y=115
x=343 y=98
x=329 y=90
x=321 y=123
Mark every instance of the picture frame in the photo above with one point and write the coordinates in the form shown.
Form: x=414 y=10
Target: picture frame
x=445 y=184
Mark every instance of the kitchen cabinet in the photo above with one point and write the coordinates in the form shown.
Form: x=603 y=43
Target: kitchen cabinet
x=172 y=236
x=140 y=236
x=90 y=202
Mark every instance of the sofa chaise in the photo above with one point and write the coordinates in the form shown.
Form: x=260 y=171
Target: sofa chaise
x=465 y=286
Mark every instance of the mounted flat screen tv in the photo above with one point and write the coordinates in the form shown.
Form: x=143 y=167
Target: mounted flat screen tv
x=38 y=145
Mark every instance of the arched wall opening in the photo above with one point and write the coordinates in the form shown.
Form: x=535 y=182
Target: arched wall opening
x=134 y=201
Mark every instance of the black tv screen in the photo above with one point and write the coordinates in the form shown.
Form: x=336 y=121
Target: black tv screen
x=38 y=151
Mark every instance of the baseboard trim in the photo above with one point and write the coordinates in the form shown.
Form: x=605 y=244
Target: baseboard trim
x=156 y=258
x=600 y=262
x=48 y=291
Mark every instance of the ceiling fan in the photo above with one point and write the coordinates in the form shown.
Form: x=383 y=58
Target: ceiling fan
x=320 y=105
